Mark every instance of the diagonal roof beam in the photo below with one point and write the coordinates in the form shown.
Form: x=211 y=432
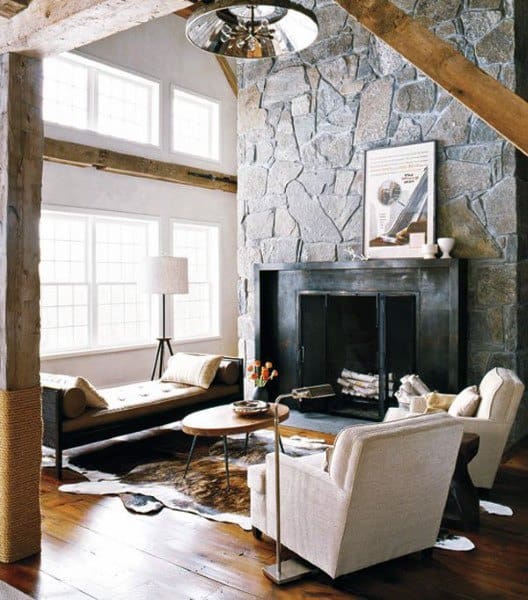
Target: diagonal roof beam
x=228 y=72
x=495 y=104
x=54 y=26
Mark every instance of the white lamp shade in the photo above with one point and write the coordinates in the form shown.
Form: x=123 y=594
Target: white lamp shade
x=166 y=275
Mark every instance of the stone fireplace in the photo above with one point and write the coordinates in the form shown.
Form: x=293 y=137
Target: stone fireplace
x=305 y=122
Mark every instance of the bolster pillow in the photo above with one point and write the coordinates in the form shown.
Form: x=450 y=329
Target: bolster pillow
x=73 y=398
x=228 y=372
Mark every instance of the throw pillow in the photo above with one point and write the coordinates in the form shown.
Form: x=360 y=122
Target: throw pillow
x=93 y=397
x=466 y=403
x=73 y=399
x=227 y=372
x=192 y=369
x=436 y=402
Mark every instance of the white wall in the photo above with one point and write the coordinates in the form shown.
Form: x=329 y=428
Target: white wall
x=158 y=49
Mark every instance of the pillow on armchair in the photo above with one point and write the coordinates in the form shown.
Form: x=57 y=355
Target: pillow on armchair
x=466 y=403
x=437 y=402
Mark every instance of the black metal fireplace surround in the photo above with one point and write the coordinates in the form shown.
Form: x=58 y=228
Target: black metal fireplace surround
x=380 y=317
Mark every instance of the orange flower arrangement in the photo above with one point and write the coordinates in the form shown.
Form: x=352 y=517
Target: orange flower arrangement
x=260 y=374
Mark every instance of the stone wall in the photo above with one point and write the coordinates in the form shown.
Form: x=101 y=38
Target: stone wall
x=306 y=120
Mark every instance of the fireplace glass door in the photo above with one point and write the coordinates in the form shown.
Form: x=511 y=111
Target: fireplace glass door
x=359 y=343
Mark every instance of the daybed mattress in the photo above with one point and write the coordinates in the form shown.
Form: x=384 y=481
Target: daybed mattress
x=142 y=399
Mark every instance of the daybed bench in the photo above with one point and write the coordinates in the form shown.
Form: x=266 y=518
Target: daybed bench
x=69 y=423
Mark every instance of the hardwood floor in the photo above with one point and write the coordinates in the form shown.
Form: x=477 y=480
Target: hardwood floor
x=93 y=548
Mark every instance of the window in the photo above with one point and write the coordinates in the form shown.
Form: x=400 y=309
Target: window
x=195 y=125
x=87 y=94
x=90 y=296
x=196 y=314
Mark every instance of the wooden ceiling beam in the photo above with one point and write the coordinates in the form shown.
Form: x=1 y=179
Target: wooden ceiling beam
x=9 y=8
x=54 y=26
x=186 y=12
x=495 y=104
x=79 y=155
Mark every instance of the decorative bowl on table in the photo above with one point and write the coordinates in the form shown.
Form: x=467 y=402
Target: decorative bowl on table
x=250 y=408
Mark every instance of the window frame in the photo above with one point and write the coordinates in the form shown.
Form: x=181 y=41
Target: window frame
x=92 y=215
x=172 y=119
x=218 y=317
x=155 y=115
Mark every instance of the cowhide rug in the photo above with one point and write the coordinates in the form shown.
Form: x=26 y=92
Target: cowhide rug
x=146 y=472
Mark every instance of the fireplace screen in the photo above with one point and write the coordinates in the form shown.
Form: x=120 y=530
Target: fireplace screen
x=360 y=343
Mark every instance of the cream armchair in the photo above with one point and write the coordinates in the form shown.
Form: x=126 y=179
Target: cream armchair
x=363 y=510
x=501 y=392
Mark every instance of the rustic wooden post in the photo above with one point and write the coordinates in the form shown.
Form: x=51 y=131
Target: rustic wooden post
x=21 y=148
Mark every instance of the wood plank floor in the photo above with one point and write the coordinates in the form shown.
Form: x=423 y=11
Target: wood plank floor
x=93 y=548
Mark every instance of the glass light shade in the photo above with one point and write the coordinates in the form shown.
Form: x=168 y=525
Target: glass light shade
x=264 y=30
x=166 y=275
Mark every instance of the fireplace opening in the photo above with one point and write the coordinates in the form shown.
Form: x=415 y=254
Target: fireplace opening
x=361 y=343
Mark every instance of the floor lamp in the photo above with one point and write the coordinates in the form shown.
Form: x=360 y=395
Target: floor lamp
x=165 y=275
x=292 y=569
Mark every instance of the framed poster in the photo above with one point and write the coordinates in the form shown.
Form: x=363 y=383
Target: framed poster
x=399 y=200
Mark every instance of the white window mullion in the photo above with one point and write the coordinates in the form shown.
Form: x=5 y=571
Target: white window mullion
x=92 y=283
x=92 y=99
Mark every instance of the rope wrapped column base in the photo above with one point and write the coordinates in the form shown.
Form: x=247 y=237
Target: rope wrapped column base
x=20 y=460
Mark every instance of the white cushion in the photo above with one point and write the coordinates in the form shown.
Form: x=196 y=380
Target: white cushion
x=192 y=369
x=93 y=397
x=466 y=403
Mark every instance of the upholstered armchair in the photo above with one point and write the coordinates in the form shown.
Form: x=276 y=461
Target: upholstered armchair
x=382 y=495
x=500 y=392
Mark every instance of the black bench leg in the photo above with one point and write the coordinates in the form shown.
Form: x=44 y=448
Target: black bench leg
x=226 y=461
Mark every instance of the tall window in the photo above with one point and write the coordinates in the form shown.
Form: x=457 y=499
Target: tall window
x=89 y=281
x=195 y=125
x=87 y=94
x=196 y=314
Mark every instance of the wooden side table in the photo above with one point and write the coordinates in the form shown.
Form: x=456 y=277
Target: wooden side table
x=222 y=421
x=462 y=508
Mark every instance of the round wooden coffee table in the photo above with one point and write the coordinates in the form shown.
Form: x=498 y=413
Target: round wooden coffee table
x=222 y=421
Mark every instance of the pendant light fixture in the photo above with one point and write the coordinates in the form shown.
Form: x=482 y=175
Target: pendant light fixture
x=266 y=29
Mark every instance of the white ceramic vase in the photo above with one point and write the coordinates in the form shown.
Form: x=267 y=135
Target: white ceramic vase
x=446 y=245
x=429 y=251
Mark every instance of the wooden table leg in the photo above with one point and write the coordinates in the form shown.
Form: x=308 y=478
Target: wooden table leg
x=226 y=460
x=193 y=444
